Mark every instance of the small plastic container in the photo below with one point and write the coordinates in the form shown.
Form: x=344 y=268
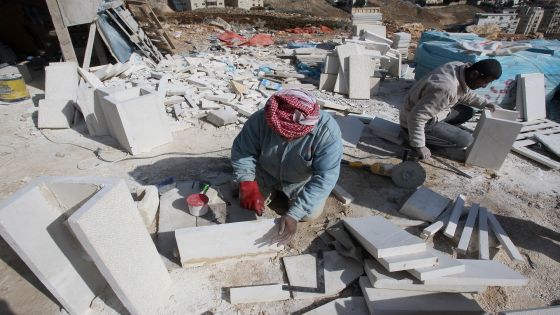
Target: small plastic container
x=197 y=204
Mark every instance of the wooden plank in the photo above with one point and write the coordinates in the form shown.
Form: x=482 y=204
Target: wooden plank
x=61 y=32
x=467 y=230
x=89 y=46
x=504 y=239
x=483 y=248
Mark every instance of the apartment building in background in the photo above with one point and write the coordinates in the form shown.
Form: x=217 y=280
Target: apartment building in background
x=506 y=21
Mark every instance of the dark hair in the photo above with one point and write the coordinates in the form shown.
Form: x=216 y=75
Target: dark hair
x=487 y=68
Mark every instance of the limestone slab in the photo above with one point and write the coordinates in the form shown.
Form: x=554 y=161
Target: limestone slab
x=387 y=301
x=534 y=103
x=61 y=80
x=137 y=119
x=551 y=142
x=468 y=229
x=504 y=239
x=327 y=82
x=386 y=129
x=493 y=138
x=380 y=278
x=455 y=216
x=409 y=261
x=366 y=35
x=342 y=195
x=446 y=266
x=55 y=113
x=381 y=238
x=380 y=30
x=482 y=273
x=344 y=52
x=425 y=204
x=222 y=117
x=483 y=247
x=112 y=232
x=341 y=84
x=331 y=105
x=339 y=272
x=206 y=245
x=355 y=305
x=258 y=293
x=360 y=69
x=33 y=223
x=351 y=128
x=331 y=65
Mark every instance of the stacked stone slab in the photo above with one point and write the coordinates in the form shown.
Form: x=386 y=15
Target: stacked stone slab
x=56 y=110
x=105 y=223
x=401 y=42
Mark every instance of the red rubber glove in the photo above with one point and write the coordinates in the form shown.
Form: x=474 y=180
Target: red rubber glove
x=251 y=197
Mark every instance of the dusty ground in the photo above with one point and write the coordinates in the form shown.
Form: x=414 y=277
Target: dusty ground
x=525 y=197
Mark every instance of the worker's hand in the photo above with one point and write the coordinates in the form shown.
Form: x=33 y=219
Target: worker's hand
x=288 y=228
x=423 y=152
x=491 y=107
x=250 y=197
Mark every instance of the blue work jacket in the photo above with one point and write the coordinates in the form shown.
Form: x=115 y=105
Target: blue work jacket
x=305 y=169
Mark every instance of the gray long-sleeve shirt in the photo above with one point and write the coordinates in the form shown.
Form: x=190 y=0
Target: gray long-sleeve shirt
x=433 y=96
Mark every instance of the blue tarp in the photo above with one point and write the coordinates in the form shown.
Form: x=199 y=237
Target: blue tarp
x=437 y=48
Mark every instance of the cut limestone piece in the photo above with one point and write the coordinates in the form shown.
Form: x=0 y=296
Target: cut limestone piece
x=341 y=84
x=33 y=223
x=467 y=230
x=383 y=279
x=482 y=273
x=86 y=102
x=533 y=92
x=380 y=30
x=206 y=245
x=342 y=195
x=339 y=272
x=61 y=81
x=446 y=266
x=483 y=247
x=331 y=105
x=409 y=261
x=381 y=238
x=351 y=128
x=386 y=129
x=504 y=239
x=425 y=204
x=455 y=216
x=552 y=310
x=493 y=138
x=332 y=64
x=222 y=117
x=355 y=305
x=551 y=142
x=137 y=119
x=148 y=204
x=360 y=69
x=112 y=232
x=376 y=38
x=258 y=293
x=327 y=82
x=345 y=51
x=55 y=113
x=387 y=301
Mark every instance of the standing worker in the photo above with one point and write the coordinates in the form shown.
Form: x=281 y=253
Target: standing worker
x=291 y=147
x=439 y=102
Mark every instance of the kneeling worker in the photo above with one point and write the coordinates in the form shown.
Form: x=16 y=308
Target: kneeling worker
x=439 y=102
x=290 y=146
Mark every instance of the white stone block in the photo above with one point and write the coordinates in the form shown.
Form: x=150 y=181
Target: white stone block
x=380 y=30
x=341 y=84
x=222 y=117
x=408 y=261
x=385 y=301
x=91 y=108
x=61 y=80
x=258 y=294
x=375 y=38
x=360 y=69
x=533 y=91
x=386 y=129
x=351 y=128
x=381 y=238
x=112 y=232
x=331 y=105
x=55 y=113
x=355 y=305
x=33 y=223
x=148 y=204
x=504 y=239
x=483 y=246
x=205 y=245
x=551 y=142
x=493 y=138
x=137 y=119
x=468 y=229
x=482 y=273
x=345 y=51
x=339 y=273
x=446 y=266
x=401 y=280
x=331 y=65
x=342 y=195
x=425 y=204
x=455 y=216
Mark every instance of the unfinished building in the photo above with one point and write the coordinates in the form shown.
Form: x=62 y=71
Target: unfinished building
x=244 y=4
x=506 y=21
x=550 y=24
x=529 y=20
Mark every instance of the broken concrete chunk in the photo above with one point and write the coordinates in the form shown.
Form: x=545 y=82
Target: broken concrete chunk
x=222 y=117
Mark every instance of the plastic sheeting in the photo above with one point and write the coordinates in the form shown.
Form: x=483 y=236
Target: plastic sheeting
x=120 y=46
x=437 y=48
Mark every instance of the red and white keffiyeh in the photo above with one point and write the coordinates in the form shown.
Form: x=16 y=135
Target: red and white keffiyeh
x=292 y=113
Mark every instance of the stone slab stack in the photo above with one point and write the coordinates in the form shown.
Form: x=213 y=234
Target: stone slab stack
x=401 y=42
